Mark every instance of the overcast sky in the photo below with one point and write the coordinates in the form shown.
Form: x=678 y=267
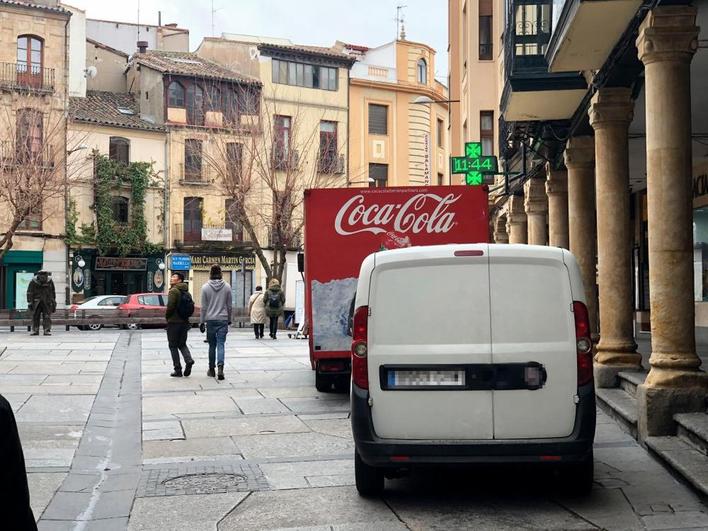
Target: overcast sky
x=317 y=22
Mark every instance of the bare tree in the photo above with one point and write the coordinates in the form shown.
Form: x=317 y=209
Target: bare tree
x=33 y=167
x=271 y=154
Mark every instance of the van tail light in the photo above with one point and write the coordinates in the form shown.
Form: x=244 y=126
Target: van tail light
x=360 y=366
x=583 y=343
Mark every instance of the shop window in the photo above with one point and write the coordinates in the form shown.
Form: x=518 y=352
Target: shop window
x=700 y=254
x=378 y=175
x=119 y=149
x=378 y=119
x=422 y=68
x=175 y=96
x=119 y=206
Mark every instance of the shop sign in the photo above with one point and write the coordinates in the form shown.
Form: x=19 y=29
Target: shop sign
x=202 y=262
x=216 y=235
x=180 y=262
x=426 y=159
x=120 y=264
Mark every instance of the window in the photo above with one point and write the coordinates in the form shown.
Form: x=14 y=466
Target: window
x=441 y=177
x=192 y=160
x=486 y=132
x=485 y=30
x=119 y=205
x=33 y=219
x=281 y=144
x=441 y=133
x=30 y=56
x=422 y=71
x=378 y=175
x=230 y=107
x=193 y=219
x=328 y=147
x=150 y=300
x=29 y=135
x=214 y=100
x=465 y=40
x=378 y=119
x=119 y=149
x=195 y=105
x=304 y=75
x=110 y=301
x=175 y=95
x=234 y=160
x=532 y=27
x=232 y=220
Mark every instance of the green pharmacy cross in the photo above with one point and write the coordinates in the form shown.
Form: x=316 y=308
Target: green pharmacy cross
x=474 y=165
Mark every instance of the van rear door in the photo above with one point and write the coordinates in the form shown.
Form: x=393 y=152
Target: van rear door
x=532 y=321
x=429 y=320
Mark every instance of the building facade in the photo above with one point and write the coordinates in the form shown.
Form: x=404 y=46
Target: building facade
x=394 y=140
x=33 y=103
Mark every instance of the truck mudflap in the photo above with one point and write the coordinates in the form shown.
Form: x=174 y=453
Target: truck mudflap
x=396 y=453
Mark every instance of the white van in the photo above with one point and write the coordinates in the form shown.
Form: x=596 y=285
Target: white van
x=475 y=353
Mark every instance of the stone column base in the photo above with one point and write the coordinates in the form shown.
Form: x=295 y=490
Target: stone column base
x=606 y=375
x=658 y=405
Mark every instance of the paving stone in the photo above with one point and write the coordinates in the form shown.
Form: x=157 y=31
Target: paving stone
x=337 y=427
x=67 y=409
x=189 y=448
x=316 y=405
x=48 y=457
x=682 y=520
x=606 y=508
x=173 y=404
x=295 y=475
x=293 y=445
x=182 y=513
x=242 y=426
x=251 y=406
x=42 y=487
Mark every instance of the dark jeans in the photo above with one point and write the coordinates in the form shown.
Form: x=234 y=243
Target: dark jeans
x=258 y=329
x=216 y=336
x=273 y=325
x=177 y=341
x=41 y=312
x=17 y=513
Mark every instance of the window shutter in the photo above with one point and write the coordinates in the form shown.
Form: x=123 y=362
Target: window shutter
x=378 y=119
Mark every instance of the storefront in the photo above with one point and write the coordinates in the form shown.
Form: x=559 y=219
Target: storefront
x=700 y=248
x=109 y=275
x=18 y=268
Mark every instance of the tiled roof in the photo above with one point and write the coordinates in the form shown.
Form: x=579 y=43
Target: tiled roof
x=322 y=51
x=188 y=64
x=53 y=9
x=105 y=108
x=106 y=47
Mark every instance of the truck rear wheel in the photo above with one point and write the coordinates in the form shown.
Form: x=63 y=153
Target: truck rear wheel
x=369 y=479
x=323 y=382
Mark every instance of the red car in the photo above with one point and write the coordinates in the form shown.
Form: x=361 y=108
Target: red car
x=146 y=305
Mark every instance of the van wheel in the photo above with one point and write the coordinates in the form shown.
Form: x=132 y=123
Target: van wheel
x=323 y=382
x=95 y=326
x=369 y=479
x=577 y=478
x=133 y=326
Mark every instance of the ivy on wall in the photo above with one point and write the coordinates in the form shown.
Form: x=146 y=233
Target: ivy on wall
x=108 y=235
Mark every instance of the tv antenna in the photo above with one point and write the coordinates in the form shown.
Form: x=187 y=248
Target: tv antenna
x=399 y=18
x=213 y=12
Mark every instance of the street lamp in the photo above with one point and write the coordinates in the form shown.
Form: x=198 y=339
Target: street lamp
x=67 y=297
x=425 y=100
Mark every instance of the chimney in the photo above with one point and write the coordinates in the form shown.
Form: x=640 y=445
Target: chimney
x=142 y=46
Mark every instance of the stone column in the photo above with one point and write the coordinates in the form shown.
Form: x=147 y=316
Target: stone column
x=610 y=116
x=500 y=234
x=536 y=205
x=668 y=38
x=557 y=192
x=582 y=234
x=516 y=220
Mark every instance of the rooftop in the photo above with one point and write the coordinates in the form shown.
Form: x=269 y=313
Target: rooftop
x=44 y=7
x=109 y=108
x=188 y=64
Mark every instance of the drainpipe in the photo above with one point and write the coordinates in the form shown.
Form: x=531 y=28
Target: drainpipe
x=166 y=199
x=67 y=266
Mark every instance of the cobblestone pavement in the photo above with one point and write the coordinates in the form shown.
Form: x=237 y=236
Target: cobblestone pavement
x=112 y=442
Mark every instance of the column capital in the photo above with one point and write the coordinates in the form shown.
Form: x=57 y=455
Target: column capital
x=611 y=106
x=557 y=181
x=535 y=199
x=580 y=153
x=668 y=33
x=515 y=212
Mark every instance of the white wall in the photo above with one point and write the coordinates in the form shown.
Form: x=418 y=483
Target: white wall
x=77 y=52
x=121 y=36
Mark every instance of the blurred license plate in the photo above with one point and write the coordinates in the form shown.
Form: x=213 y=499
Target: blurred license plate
x=425 y=378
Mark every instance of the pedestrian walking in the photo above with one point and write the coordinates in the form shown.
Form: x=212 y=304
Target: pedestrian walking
x=180 y=308
x=216 y=317
x=17 y=512
x=274 y=302
x=257 y=311
x=41 y=302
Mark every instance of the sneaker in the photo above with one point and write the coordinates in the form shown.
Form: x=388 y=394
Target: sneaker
x=176 y=374
x=188 y=368
x=211 y=372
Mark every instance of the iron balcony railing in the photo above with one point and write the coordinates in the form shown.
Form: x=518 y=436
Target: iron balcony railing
x=331 y=163
x=26 y=77
x=13 y=155
x=203 y=175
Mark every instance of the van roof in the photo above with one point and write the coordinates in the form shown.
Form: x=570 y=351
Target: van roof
x=440 y=251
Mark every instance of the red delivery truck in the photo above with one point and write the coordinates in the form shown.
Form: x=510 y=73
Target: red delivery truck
x=344 y=225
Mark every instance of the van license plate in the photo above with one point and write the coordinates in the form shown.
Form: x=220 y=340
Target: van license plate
x=398 y=378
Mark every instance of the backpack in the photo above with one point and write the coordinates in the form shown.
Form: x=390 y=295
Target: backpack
x=273 y=300
x=185 y=306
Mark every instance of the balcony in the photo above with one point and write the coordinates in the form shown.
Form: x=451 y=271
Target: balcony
x=285 y=160
x=531 y=93
x=20 y=76
x=195 y=176
x=207 y=236
x=331 y=163
x=14 y=156
x=576 y=43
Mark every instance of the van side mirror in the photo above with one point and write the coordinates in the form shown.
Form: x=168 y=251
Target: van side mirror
x=300 y=262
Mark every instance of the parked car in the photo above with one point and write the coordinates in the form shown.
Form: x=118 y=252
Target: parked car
x=471 y=353
x=97 y=306
x=146 y=305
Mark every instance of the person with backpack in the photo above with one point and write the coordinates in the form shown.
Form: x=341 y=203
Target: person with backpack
x=180 y=307
x=274 y=302
x=257 y=311
x=215 y=316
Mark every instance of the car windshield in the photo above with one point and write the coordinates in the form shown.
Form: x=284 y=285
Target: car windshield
x=89 y=300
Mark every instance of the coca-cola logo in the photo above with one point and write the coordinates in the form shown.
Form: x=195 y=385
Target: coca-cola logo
x=425 y=212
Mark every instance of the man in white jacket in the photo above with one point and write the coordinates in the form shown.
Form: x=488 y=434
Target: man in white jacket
x=215 y=317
